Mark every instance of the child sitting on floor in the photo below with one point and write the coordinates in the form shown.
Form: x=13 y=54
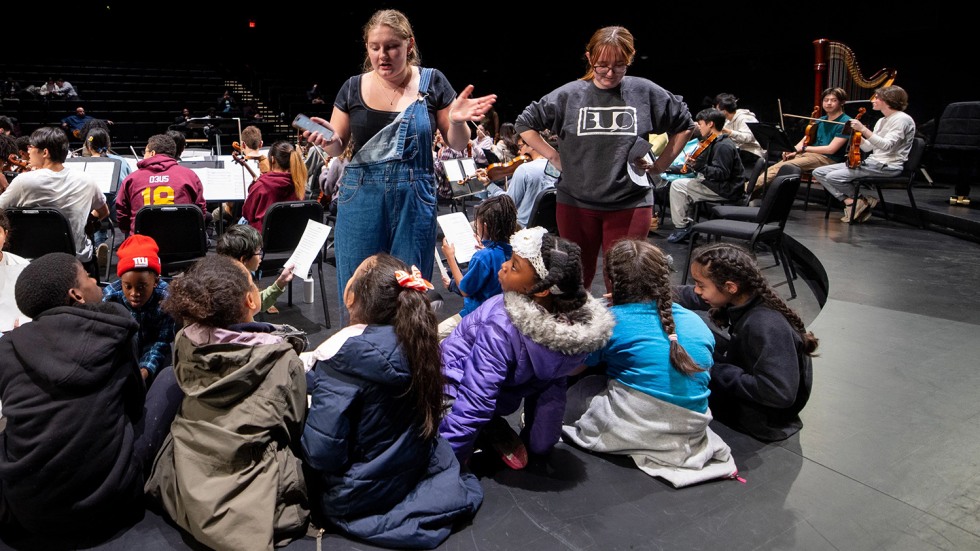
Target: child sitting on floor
x=495 y=221
x=81 y=429
x=228 y=473
x=763 y=379
x=652 y=401
x=380 y=470
x=520 y=346
x=244 y=243
x=140 y=289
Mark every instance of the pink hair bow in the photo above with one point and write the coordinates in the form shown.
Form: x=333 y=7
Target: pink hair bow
x=413 y=281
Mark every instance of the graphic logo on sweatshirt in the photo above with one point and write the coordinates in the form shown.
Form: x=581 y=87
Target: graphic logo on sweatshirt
x=607 y=120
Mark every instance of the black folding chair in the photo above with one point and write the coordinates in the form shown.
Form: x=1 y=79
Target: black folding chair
x=543 y=211
x=766 y=228
x=282 y=231
x=36 y=231
x=179 y=231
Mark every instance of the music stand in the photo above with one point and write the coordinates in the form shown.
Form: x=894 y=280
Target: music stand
x=213 y=126
x=772 y=138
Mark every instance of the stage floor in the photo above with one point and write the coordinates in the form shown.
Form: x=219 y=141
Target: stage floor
x=887 y=459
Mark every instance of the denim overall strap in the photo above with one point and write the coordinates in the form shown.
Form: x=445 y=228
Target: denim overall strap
x=387 y=196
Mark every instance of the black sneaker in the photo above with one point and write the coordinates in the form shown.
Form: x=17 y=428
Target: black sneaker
x=680 y=235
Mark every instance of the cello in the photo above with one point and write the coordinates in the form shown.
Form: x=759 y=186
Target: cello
x=854 y=148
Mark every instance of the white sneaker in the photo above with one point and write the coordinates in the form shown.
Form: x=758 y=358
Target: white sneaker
x=102 y=255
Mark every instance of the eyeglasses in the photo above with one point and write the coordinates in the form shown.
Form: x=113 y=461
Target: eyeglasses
x=619 y=68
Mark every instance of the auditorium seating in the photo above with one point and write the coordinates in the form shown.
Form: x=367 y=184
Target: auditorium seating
x=141 y=99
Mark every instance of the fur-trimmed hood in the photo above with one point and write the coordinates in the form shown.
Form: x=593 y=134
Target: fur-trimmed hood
x=583 y=331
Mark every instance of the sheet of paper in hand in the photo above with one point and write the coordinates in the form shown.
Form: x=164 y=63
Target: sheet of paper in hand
x=459 y=232
x=640 y=152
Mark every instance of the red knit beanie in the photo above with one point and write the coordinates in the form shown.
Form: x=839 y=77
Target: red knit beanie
x=138 y=251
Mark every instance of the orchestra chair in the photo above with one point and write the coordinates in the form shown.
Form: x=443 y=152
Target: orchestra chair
x=758 y=168
x=905 y=180
x=37 y=231
x=747 y=213
x=807 y=178
x=768 y=226
x=282 y=230
x=543 y=213
x=179 y=232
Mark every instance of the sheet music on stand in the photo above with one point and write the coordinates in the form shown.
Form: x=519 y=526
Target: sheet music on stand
x=104 y=170
x=221 y=184
x=461 y=174
x=459 y=232
x=771 y=137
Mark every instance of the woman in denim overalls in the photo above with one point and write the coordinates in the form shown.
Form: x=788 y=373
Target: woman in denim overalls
x=387 y=196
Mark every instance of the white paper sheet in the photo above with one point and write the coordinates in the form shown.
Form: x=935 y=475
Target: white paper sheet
x=442 y=267
x=8 y=305
x=459 y=232
x=458 y=170
x=223 y=184
x=102 y=172
x=309 y=246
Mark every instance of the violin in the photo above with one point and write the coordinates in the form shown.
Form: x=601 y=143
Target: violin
x=499 y=171
x=810 y=135
x=13 y=160
x=237 y=157
x=854 y=149
x=702 y=145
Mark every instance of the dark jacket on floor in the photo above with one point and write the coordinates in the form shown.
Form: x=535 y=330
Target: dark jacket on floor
x=71 y=393
x=763 y=379
x=372 y=474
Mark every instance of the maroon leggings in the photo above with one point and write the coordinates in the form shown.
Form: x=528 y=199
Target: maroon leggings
x=591 y=229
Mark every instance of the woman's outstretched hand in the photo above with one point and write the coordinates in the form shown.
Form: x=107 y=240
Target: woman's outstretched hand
x=466 y=108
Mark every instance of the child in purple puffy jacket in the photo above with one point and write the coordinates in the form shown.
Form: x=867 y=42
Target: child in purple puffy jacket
x=520 y=346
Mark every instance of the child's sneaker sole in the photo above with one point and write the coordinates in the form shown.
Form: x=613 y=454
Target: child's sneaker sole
x=506 y=443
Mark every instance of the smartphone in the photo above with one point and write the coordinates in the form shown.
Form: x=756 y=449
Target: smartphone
x=551 y=170
x=302 y=122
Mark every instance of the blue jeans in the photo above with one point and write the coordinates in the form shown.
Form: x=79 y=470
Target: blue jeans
x=387 y=197
x=101 y=236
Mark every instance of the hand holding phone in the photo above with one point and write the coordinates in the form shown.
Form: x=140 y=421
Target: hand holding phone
x=302 y=122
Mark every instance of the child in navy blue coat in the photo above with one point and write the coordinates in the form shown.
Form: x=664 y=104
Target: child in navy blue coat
x=377 y=468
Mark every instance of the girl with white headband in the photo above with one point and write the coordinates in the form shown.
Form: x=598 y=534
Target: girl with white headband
x=521 y=346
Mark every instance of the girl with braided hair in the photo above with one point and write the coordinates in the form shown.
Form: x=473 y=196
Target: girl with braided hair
x=761 y=382
x=521 y=346
x=495 y=220
x=651 y=400
x=378 y=469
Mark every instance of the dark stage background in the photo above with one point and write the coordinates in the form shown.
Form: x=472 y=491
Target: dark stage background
x=760 y=51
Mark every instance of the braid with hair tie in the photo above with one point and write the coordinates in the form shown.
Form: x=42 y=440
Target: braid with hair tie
x=639 y=272
x=727 y=262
